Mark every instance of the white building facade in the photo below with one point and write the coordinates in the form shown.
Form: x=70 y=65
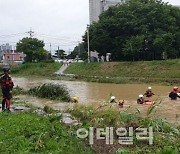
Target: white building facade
x=96 y=7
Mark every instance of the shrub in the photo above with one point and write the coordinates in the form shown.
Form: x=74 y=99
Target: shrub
x=52 y=91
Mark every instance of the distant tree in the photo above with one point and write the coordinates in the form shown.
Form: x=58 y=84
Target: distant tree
x=137 y=30
x=83 y=55
x=79 y=48
x=79 y=51
x=33 y=48
x=72 y=55
x=60 y=53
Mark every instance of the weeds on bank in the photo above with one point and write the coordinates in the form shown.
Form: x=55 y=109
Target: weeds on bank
x=52 y=91
x=31 y=133
x=166 y=136
x=17 y=91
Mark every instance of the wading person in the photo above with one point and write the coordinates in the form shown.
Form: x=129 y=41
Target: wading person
x=120 y=104
x=75 y=100
x=6 y=86
x=113 y=99
x=149 y=92
x=141 y=99
x=174 y=94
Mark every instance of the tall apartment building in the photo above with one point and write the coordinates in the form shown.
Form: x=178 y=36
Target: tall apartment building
x=96 y=7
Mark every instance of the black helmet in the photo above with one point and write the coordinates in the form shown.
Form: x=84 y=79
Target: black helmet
x=6 y=69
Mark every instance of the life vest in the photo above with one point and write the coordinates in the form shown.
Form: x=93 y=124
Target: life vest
x=140 y=101
x=6 y=82
x=149 y=93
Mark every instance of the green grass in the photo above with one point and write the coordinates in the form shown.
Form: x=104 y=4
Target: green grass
x=166 y=136
x=42 y=69
x=31 y=133
x=122 y=72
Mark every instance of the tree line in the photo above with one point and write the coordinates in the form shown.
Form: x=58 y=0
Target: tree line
x=137 y=30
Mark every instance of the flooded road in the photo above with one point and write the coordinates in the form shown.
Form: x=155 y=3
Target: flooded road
x=97 y=93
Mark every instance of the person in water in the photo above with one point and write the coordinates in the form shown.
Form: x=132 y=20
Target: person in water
x=141 y=99
x=113 y=99
x=175 y=93
x=120 y=104
x=149 y=92
x=75 y=100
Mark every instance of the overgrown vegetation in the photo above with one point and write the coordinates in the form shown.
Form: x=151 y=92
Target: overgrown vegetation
x=127 y=72
x=18 y=91
x=166 y=136
x=52 y=91
x=31 y=133
x=41 y=69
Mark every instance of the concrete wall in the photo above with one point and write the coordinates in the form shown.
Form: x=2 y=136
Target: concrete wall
x=96 y=7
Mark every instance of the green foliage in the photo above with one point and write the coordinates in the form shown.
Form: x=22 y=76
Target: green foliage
x=152 y=107
x=52 y=91
x=79 y=51
x=104 y=116
x=122 y=151
x=33 y=48
x=165 y=135
x=60 y=53
x=82 y=55
x=31 y=133
x=164 y=150
x=41 y=69
x=137 y=30
x=17 y=91
x=48 y=109
x=79 y=48
x=167 y=71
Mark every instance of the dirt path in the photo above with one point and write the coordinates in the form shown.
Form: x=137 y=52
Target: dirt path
x=62 y=69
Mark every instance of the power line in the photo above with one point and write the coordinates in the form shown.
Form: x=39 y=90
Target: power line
x=64 y=41
x=55 y=38
x=11 y=35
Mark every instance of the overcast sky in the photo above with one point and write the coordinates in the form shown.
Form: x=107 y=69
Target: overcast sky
x=59 y=22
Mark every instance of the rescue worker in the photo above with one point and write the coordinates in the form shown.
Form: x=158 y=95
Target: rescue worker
x=141 y=99
x=120 y=104
x=7 y=86
x=113 y=99
x=149 y=92
x=174 y=94
x=75 y=100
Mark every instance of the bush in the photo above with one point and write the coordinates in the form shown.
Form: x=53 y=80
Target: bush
x=52 y=91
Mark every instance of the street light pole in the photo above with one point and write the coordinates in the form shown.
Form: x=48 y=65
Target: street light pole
x=89 y=56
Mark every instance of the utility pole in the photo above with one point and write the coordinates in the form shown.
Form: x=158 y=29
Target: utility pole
x=58 y=52
x=89 y=56
x=30 y=33
x=79 y=48
x=69 y=51
x=50 y=48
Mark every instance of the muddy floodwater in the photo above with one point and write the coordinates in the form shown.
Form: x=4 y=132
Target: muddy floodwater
x=97 y=93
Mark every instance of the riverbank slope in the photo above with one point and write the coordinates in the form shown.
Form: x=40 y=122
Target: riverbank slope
x=167 y=72
x=36 y=70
